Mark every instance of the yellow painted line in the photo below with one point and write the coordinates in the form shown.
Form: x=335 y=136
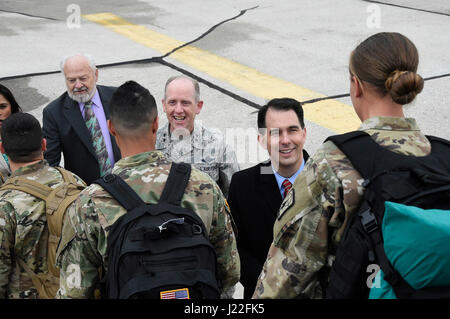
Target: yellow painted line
x=334 y=115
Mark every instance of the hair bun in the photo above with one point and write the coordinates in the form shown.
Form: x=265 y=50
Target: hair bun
x=403 y=86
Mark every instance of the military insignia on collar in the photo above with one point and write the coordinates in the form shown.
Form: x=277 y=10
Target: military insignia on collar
x=287 y=203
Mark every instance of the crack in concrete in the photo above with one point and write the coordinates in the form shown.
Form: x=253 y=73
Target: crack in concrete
x=208 y=31
x=29 y=15
x=406 y=7
x=160 y=60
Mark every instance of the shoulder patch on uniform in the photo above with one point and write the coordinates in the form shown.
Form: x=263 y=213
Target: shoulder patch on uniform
x=287 y=203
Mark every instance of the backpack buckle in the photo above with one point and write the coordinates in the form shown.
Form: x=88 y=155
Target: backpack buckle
x=182 y=169
x=368 y=221
x=108 y=178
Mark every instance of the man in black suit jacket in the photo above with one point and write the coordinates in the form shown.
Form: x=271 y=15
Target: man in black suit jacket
x=63 y=121
x=256 y=193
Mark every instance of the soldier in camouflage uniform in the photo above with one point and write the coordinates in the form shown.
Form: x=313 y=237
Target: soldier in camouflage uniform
x=183 y=139
x=83 y=248
x=23 y=227
x=312 y=218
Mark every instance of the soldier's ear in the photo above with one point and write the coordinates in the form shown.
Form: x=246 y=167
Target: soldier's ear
x=2 y=149
x=357 y=86
x=44 y=145
x=111 y=128
x=155 y=125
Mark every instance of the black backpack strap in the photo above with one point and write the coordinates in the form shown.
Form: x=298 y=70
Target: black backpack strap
x=120 y=190
x=440 y=149
x=435 y=139
x=359 y=148
x=401 y=288
x=176 y=183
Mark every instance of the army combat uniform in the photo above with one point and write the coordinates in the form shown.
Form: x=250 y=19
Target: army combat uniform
x=5 y=171
x=24 y=232
x=312 y=218
x=205 y=149
x=83 y=247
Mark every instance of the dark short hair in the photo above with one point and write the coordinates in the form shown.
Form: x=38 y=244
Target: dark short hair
x=132 y=108
x=22 y=137
x=281 y=104
x=7 y=94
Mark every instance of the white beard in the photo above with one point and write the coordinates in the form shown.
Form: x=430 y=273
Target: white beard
x=81 y=98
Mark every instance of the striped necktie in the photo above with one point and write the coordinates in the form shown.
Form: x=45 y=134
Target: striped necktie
x=287 y=186
x=97 y=139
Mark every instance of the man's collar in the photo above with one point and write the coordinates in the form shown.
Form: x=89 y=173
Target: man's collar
x=96 y=98
x=139 y=159
x=197 y=135
x=27 y=169
x=292 y=178
x=389 y=123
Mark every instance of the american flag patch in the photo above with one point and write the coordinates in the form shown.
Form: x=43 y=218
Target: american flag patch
x=175 y=294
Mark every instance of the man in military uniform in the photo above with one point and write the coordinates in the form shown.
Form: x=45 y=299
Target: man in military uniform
x=323 y=197
x=83 y=248
x=183 y=139
x=23 y=223
x=312 y=218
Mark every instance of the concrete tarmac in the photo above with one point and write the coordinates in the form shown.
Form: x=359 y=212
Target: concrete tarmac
x=301 y=46
x=303 y=43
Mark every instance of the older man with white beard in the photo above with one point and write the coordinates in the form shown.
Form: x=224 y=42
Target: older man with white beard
x=76 y=122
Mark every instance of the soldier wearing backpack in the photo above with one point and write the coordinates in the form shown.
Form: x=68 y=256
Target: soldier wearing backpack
x=151 y=243
x=32 y=204
x=326 y=196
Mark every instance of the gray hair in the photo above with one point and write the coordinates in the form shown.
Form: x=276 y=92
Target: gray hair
x=194 y=82
x=88 y=57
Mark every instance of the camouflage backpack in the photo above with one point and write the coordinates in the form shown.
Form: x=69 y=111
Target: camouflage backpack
x=56 y=202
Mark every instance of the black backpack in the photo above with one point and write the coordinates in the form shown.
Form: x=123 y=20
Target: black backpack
x=416 y=181
x=159 y=251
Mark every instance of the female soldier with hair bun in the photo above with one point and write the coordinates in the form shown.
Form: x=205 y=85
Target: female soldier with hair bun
x=312 y=219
